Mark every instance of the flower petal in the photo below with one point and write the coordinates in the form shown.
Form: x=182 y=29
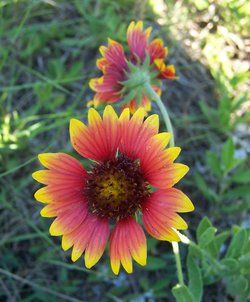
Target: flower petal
x=138 y=39
x=156 y=50
x=54 y=178
x=65 y=180
x=115 y=55
x=172 y=199
x=127 y=242
x=154 y=157
x=56 y=209
x=80 y=237
x=61 y=163
x=167 y=177
x=90 y=236
x=113 y=65
x=48 y=211
x=106 y=97
x=97 y=243
x=101 y=64
x=159 y=213
x=109 y=82
x=152 y=122
x=135 y=133
x=69 y=219
x=157 y=229
x=99 y=141
x=145 y=104
x=166 y=71
x=55 y=194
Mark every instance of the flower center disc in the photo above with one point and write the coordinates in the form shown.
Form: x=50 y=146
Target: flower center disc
x=116 y=188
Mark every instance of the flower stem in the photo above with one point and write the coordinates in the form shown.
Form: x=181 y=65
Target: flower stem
x=178 y=262
x=154 y=96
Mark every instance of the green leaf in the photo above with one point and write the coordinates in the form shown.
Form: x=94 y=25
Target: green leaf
x=245 y=261
x=224 y=113
x=207 y=237
x=196 y=250
x=227 y=154
x=203 y=187
x=241 y=177
x=195 y=284
x=237 y=244
x=75 y=70
x=239 y=78
x=239 y=100
x=43 y=92
x=239 y=192
x=182 y=294
x=236 y=285
x=203 y=225
x=213 y=163
x=220 y=239
x=231 y=265
x=210 y=113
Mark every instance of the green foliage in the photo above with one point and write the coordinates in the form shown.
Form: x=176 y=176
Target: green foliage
x=182 y=294
x=209 y=263
x=194 y=291
x=224 y=118
x=231 y=179
x=227 y=26
x=195 y=282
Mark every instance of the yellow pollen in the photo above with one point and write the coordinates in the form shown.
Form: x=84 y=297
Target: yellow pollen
x=114 y=190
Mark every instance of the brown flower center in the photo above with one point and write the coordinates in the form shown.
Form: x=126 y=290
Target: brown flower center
x=116 y=188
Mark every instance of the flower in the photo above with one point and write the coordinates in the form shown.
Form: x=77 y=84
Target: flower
x=130 y=173
x=124 y=76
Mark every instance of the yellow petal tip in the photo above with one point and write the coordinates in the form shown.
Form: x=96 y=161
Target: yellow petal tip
x=55 y=230
x=34 y=175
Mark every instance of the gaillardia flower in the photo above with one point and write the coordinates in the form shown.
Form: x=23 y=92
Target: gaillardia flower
x=130 y=178
x=124 y=74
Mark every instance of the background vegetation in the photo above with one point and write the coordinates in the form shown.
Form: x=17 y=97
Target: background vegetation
x=48 y=50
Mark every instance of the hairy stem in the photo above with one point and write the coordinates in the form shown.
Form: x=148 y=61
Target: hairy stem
x=178 y=262
x=154 y=96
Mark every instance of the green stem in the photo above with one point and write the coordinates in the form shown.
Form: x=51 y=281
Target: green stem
x=178 y=262
x=154 y=96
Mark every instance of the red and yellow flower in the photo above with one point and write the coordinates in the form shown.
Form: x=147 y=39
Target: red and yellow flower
x=124 y=75
x=131 y=173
